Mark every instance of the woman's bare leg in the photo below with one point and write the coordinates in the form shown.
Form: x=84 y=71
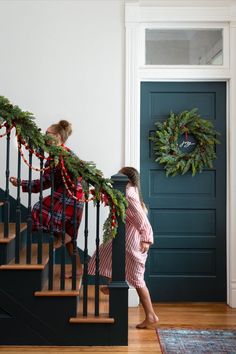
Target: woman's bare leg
x=58 y=241
x=105 y=289
x=151 y=319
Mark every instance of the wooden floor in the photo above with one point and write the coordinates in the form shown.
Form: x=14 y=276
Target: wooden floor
x=184 y=315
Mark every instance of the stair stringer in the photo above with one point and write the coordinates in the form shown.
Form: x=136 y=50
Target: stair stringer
x=45 y=320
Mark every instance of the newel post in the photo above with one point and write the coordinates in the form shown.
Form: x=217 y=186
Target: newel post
x=118 y=300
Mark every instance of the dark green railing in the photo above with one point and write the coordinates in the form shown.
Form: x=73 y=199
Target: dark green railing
x=118 y=299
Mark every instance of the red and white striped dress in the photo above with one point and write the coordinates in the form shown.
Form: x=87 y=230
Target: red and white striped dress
x=138 y=229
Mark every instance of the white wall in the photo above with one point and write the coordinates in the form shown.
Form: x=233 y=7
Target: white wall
x=65 y=59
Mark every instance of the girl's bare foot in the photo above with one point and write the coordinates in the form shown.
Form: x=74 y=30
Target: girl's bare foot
x=148 y=324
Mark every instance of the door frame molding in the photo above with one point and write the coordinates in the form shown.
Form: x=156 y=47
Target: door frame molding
x=136 y=17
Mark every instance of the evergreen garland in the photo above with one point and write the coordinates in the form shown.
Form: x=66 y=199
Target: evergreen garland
x=166 y=143
x=31 y=135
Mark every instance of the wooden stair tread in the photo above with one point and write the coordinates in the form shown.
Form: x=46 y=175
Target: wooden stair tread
x=57 y=293
x=91 y=318
x=12 y=232
x=56 y=284
x=34 y=265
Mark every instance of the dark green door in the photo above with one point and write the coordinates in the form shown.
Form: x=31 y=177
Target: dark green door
x=188 y=214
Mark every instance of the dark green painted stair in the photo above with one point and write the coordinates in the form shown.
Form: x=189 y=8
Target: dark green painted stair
x=32 y=315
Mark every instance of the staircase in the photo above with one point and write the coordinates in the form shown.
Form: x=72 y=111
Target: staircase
x=38 y=305
x=30 y=314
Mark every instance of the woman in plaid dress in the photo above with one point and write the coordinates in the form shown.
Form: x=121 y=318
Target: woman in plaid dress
x=139 y=237
x=60 y=132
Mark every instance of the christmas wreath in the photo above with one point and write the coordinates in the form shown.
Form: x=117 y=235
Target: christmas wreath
x=185 y=142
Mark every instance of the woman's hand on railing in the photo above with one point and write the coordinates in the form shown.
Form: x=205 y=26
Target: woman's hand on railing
x=13 y=181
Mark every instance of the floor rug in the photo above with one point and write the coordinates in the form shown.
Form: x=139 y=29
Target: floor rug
x=186 y=341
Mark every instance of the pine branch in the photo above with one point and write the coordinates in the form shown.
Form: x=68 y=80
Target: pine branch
x=31 y=135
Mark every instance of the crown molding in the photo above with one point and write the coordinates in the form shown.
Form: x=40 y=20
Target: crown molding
x=137 y=12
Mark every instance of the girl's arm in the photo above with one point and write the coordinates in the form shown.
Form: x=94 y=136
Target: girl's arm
x=35 y=184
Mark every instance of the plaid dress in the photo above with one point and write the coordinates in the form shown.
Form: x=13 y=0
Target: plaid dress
x=56 y=217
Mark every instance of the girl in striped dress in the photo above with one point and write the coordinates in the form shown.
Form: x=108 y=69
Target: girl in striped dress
x=60 y=132
x=139 y=237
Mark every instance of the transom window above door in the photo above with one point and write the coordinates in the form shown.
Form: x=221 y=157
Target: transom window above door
x=184 y=46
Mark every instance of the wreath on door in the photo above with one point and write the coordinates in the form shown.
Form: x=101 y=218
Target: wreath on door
x=185 y=142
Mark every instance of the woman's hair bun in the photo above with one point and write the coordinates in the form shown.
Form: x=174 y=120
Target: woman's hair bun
x=64 y=124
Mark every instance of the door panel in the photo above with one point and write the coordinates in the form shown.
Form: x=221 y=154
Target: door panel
x=188 y=214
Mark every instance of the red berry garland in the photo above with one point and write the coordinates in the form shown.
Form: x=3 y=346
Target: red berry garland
x=36 y=153
x=13 y=117
x=28 y=164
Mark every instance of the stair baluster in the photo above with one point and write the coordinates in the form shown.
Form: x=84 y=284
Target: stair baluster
x=97 y=281
x=7 y=202
x=40 y=235
x=18 y=210
x=85 y=274
x=51 y=237
x=29 y=214
x=74 y=242
x=63 y=247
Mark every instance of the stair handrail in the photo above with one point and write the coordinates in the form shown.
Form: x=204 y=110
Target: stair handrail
x=30 y=136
